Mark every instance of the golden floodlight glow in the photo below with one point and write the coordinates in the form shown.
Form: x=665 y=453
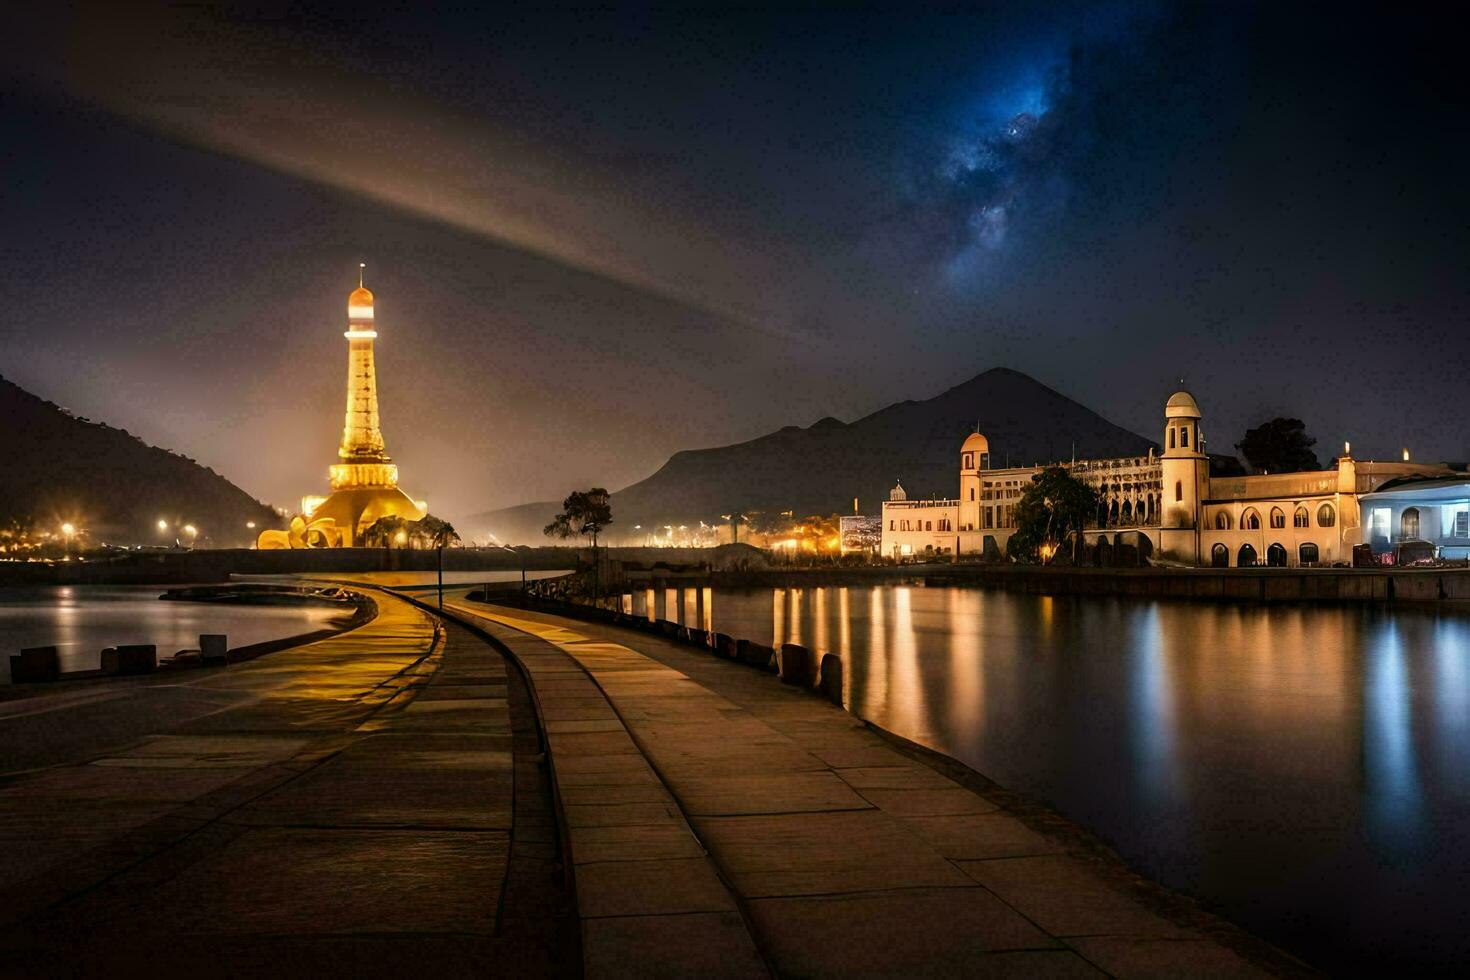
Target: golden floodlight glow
x=190 y=530
x=364 y=481
x=68 y=530
x=163 y=525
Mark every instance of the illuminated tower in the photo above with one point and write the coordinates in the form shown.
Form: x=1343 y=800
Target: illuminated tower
x=1185 y=472
x=364 y=461
x=364 y=480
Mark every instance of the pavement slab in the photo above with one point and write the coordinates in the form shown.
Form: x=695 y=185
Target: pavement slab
x=345 y=816
x=846 y=854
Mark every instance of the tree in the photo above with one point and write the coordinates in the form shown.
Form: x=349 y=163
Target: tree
x=584 y=514
x=1279 y=446
x=440 y=534
x=384 y=531
x=1053 y=506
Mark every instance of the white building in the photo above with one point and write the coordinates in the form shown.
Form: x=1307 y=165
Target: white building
x=1170 y=506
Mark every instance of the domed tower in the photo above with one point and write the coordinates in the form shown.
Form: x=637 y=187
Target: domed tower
x=365 y=461
x=974 y=458
x=364 y=480
x=1185 y=473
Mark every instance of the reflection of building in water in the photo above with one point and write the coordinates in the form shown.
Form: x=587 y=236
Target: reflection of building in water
x=364 y=481
x=1175 y=505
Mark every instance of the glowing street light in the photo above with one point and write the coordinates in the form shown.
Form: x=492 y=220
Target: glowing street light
x=163 y=525
x=68 y=529
x=250 y=524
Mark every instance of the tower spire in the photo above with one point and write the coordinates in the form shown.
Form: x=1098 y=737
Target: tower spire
x=360 y=266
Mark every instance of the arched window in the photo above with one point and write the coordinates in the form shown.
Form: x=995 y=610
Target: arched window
x=1220 y=556
x=969 y=460
x=1326 y=516
x=972 y=493
x=1300 y=518
x=1250 y=520
x=1276 y=556
x=928 y=525
x=1178 y=491
x=1171 y=437
x=1247 y=556
x=1278 y=517
x=1409 y=522
x=890 y=525
x=1307 y=554
x=1127 y=513
x=1184 y=437
x=1222 y=521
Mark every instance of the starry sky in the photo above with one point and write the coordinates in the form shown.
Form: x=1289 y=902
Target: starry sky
x=597 y=238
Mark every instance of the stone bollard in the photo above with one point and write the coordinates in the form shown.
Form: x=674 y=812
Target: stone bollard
x=795 y=665
x=131 y=658
x=668 y=628
x=831 y=681
x=699 y=638
x=757 y=655
x=35 y=665
x=214 y=648
x=724 y=646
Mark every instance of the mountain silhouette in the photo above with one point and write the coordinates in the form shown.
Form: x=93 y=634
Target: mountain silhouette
x=110 y=483
x=821 y=468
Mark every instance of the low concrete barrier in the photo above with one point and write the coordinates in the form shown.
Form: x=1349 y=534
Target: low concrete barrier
x=830 y=682
x=725 y=646
x=795 y=666
x=757 y=655
x=214 y=648
x=35 y=665
x=131 y=658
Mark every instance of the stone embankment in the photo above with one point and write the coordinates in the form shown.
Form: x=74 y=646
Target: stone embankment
x=1404 y=585
x=719 y=822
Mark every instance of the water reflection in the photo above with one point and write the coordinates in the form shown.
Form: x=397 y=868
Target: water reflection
x=81 y=620
x=1306 y=770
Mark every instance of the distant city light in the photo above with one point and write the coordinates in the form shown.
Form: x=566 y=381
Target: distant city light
x=1406 y=454
x=190 y=530
x=163 y=525
x=250 y=524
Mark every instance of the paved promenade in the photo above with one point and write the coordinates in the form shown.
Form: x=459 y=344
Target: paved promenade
x=721 y=823
x=366 y=805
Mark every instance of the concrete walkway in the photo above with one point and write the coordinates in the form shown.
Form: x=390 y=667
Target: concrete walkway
x=716 y=815
x=369 y=805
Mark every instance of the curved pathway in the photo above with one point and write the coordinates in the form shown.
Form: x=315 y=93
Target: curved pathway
x=364 y=805
x=701 y=794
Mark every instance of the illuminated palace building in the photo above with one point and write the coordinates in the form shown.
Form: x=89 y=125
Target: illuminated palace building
x=364 y=480
x=1169 y=505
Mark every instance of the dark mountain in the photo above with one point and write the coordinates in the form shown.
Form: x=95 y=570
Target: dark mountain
x=819 y=469
x=110 y=483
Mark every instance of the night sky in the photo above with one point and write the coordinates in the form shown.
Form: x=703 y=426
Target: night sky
x=598 y=238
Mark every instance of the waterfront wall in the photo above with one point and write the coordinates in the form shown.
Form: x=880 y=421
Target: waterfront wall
x=1227 y=585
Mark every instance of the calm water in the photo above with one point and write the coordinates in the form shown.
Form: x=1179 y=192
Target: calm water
x=1304 y=771
x=81 y=620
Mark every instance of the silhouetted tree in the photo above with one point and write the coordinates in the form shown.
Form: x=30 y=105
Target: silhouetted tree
x=1279 y=446
x=1053 y=506
x=584 y=514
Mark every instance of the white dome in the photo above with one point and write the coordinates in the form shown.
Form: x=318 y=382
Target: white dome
x=1181 y=405
x=976 y=443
